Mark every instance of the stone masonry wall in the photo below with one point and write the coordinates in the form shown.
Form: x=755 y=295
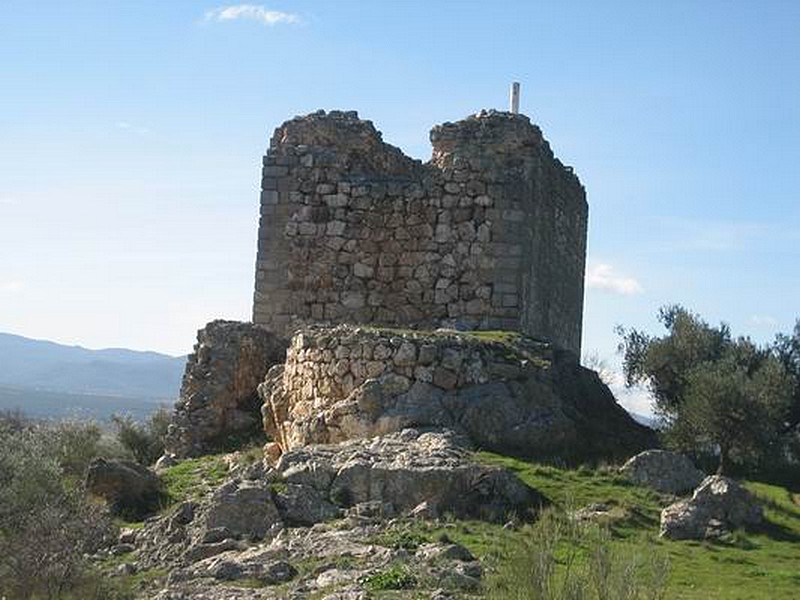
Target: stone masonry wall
x=490 y=234
x=349 y=382
x=504 y=392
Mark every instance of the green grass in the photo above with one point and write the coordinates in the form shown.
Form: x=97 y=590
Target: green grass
x=402 y=537
x=393 y=577
x=512 y=344
x=193 y=478
x=760 y=564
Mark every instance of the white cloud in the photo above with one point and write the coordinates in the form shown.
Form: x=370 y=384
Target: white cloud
x=764 y=321
x=601 y=276
x=11 y=287
x=634 y=399
x=252 y=12
x=125 y=126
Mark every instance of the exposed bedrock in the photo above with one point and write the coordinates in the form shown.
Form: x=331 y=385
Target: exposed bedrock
x=218 y=402
x=504 y=392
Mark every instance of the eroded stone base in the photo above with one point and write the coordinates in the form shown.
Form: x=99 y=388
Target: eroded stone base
x=503 y=391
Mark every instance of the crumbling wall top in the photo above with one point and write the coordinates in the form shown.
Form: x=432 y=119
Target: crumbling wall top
x=340 y=138
x=491 y=234
x=486 y=133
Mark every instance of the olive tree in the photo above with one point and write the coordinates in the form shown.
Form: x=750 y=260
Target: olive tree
x=715 y=394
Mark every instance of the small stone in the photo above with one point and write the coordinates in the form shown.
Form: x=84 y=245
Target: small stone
x=363 y=271
x=406 y=354
x=272 y=452
x=444 y=378
x=353 y=300
x=381 y=352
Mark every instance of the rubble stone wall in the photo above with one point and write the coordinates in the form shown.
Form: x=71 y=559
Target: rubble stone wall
x=219 y=397
x=349 y=382
x=505 y=392
x=490 y=234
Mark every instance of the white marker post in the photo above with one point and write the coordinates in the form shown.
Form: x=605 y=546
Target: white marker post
x=515 y=97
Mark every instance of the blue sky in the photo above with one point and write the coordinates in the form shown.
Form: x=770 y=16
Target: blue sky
x=131 y=135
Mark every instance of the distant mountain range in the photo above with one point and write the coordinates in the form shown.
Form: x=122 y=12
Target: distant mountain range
x=46 y=379
x=49 y=380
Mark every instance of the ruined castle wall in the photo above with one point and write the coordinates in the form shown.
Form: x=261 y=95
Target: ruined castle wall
x=489 y=235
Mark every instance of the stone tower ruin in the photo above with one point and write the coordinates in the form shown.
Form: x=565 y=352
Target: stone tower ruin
x=490 y=234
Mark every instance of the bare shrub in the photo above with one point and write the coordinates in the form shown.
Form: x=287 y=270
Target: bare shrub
x=564 y=559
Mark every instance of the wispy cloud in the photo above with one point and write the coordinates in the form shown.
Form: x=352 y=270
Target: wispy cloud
x=764 y=321
x=11 y=287
x=252 y=12
x=634 y=399
x=602 y=276
x=719 y=237
x=137 y=129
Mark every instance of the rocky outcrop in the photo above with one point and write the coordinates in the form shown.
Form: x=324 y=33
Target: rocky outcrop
x=130 y=489
x=218 y=402
x=398 y=472
x=425 y=473
x=265 y=523
x=664 y=471
x=718 y=505
x=344 y=561
x=504 y=392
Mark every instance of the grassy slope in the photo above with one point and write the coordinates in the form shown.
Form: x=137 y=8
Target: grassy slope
x=746 y=565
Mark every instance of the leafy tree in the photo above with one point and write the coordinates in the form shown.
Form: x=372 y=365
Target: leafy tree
x=145 y=441
x=663 y=364
x=730 y=411
x=715 y=394
x=787 y=348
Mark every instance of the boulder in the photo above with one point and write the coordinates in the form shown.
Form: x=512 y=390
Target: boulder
x=302 y=505
x=218 y=402
x=664 y=471
x=241 y=509
x=130 y=489
x=717 y=505
x=401 y=470
x=512 y=395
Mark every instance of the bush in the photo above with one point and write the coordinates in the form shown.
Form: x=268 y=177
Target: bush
x=564 y=559
x=46 y=524
x=395 y=577
x=75 y=443
x=145 y=441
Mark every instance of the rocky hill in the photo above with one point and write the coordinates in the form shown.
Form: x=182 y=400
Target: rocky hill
x=388 y=472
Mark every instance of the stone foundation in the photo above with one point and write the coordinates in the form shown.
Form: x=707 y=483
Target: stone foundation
x=509 y=394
